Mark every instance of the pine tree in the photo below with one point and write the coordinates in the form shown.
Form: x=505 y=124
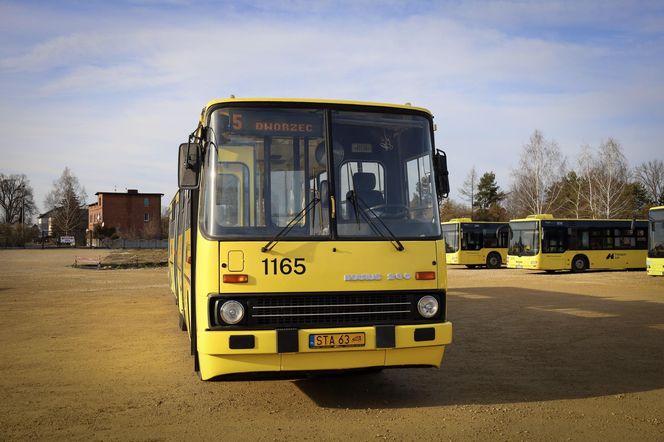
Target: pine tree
x=488 y=199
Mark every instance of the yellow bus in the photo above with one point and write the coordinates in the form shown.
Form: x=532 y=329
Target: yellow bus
x=655 y=262
x=476 y=243
x=172 y=211
x=307 y=237
x=542 y=242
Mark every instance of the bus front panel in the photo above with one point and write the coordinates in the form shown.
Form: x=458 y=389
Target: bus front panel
x=319 y=306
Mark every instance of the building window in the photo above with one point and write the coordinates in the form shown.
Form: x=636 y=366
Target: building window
x=146 y=202
x=146 y=217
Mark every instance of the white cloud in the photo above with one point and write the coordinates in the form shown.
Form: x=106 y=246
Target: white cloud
x=113 y=100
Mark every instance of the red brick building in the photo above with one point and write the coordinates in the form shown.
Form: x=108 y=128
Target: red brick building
x=133 y=214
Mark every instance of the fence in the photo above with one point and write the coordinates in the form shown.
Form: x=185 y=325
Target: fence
x=130 y=243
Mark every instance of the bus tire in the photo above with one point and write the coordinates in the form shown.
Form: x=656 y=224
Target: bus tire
x=493 y=261
x=580 y=263
x=181 y=322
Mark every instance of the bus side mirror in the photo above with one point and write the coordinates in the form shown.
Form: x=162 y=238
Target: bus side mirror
x=442 y=175
x=189 y=165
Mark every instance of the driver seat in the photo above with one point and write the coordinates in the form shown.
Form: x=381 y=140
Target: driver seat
x=364 y=184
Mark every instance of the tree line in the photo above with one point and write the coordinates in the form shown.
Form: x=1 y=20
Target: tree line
x=66 y=202
x=602 y=185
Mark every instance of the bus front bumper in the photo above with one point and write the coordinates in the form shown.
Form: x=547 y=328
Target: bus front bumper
x=523 y=262
x=289 y=350
x=655 y=266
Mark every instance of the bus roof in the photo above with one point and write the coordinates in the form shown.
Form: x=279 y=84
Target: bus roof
x=469 y=220
x=547 y=217
x=315 y=101
x=657 y=208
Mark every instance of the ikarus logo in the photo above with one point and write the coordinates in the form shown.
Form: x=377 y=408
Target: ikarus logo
x=363 y=277
x=377 y=277
x=611 y=256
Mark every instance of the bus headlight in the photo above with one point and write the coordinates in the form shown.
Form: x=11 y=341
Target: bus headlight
x=427 y=306
x=231 y=312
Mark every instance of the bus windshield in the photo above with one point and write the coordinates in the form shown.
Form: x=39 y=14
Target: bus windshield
x=656 y=232
x=451 y=237
x=524 y=238
x=273 y=167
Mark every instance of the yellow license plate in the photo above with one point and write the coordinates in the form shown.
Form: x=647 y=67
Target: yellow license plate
x=334 y=340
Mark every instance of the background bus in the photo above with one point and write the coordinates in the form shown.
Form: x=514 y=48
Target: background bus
x=542 y=242
x=655 y=262
x=306 y=237
x=476 y=243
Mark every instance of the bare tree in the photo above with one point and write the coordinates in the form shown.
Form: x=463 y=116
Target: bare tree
x=67 y=199
x=536 y=181
x=16 y=199
x=607 y=177
x=588 y=192
x=651 y=177
x=470 y=188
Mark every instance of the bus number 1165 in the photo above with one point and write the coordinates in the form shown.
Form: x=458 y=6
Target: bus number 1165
x=284 y=266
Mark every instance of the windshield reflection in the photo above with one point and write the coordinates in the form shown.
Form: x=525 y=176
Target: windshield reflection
x=268 y=165
x=656 y=234
x=524 y=238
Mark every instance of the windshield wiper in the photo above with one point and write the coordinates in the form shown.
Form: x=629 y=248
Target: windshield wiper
x=357 y=204
x=296 y=219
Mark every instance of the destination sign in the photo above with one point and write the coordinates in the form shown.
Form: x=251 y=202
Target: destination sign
x=275 y=123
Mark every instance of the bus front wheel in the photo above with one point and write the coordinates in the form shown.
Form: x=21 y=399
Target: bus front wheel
x=493 y=261
x=579 y=263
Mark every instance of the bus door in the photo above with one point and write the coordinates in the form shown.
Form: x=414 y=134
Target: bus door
x=554 y=245
x=471 y=243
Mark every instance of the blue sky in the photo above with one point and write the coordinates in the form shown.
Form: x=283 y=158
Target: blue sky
x=109 y=89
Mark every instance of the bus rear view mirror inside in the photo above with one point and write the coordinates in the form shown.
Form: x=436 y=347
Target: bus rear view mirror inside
x=189 y=165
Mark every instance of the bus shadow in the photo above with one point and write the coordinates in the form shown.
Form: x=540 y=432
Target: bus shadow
x=586 y=272
x=519 y=345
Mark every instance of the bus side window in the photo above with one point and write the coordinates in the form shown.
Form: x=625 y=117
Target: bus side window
x=555 y=241
x=490 y=240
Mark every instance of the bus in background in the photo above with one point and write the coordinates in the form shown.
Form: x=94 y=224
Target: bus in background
x=476 y=243
x=307 y=237
x=655 y=263
x=542 y=242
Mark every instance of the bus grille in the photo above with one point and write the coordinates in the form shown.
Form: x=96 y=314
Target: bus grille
x=326 y=310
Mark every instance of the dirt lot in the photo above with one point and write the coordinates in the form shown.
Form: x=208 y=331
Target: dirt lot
x=90 y=354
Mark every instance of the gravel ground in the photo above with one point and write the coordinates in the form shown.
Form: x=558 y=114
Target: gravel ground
x=97 y=355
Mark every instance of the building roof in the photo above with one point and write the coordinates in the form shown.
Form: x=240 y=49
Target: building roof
x=132 y=192
x=50 y=212
x=46 y=214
